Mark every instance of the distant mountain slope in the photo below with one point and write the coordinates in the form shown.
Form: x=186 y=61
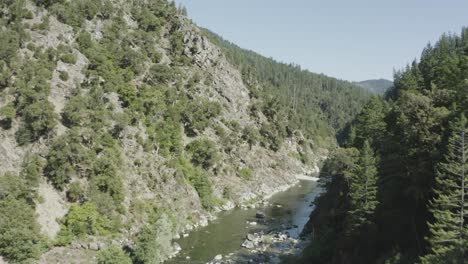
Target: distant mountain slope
x=378 y=86
x=321 y=104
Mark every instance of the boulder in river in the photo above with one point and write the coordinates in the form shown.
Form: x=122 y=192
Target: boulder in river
x=248 y=244
x=177 y=247
x=260 y=215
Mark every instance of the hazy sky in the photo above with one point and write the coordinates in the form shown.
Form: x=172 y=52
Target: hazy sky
x=348 y=39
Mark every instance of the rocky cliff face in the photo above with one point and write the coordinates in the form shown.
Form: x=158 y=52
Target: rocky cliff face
x=150 y=181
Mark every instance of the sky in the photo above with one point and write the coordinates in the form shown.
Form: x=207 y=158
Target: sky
x=353 y=40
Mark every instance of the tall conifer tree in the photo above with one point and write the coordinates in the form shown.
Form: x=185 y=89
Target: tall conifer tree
x=363 y=188
x=448 y=239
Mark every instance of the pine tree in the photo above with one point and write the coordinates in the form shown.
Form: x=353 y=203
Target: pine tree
x=363 y=190
x=449 y=230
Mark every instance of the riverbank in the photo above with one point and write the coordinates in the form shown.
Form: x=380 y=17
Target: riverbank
x=273 y=225
x=304 y=177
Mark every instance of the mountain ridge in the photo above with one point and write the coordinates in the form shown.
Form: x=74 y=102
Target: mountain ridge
x=377 y=86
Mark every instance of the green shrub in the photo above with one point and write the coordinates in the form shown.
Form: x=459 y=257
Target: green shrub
x=198 y=114
x=75 y=13
x=28 y=15
x=168 y=136
x=147 y=246
x=7 y=114
x=31 y=47
x=271 y=137
x=5 y=75
x=43 y=26
x=20 y=239
x=160 y=73
x=84 y=40
x=63 y=238
x=64 y=49
x=228 y=193
x=203 y=153
x=177 y=49
x=155 y=56
x=75 y=112
x=128 y=58
x=198 y=179
x=38 y=120
x=192 y=83
x=146 y=19
x=230 y=142
x=251 y=136
x=105 y=176
x=106 y=205
x=234 y=126
x=87 y=111
x=32 y=169
x=152 y=243
x=63 y=75
x=68 y=58
x=48 y=2
x=150 y=101
x=113 y=255
x=84 y=220
x=12 y=186
x=75 y=192
x=68 y=157
x=246 y=173
x=10 y=43
x=220 y=131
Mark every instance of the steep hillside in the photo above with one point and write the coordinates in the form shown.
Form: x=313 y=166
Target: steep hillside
x=122 y=125
x=320 y=104
x=396 y=190
x=379 y=86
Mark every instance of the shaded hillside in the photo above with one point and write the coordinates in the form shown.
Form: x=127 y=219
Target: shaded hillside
x=379 y=86
x=396 y=189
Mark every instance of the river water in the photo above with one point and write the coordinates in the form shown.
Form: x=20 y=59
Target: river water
x=287 y=211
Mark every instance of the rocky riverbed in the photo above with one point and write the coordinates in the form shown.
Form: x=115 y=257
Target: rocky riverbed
x=259 y=232
x=263 y=248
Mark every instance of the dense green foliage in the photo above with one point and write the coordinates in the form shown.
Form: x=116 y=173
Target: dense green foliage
x=153 y=240
x=198 y=178
x=449 y=232
x=32 y=105
x=20 y=239
x=203 y=153
x=113 y=255
x=7 y=114
x=147 y=249
x=246 y=173
x=417 y=133
x=363 y=189
x=85 y=220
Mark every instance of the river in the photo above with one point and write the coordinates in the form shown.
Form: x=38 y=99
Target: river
x=287 y=211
